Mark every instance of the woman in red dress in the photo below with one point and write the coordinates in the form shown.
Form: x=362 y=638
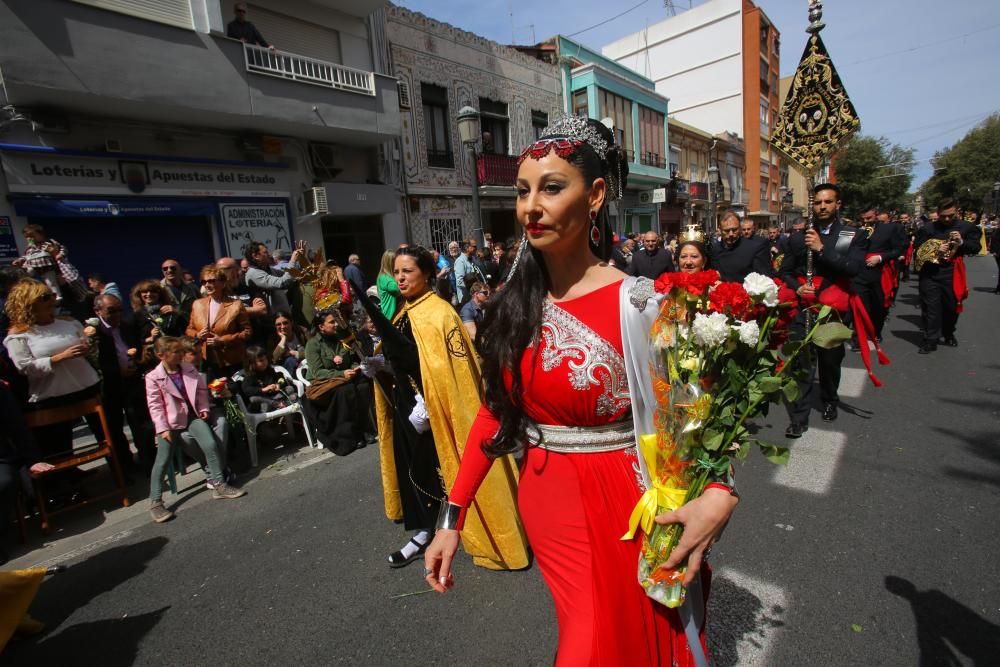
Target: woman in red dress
x=557 y=372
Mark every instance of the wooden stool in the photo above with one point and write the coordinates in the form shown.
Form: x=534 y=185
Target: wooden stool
x=100 y=449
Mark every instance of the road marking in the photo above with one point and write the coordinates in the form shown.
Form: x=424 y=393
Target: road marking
x=852 y=382
x=745 y=616
x=305 y=464
x=93 y=546
x=813 y=461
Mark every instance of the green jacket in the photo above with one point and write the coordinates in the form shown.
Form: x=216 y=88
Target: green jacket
x=320 y=356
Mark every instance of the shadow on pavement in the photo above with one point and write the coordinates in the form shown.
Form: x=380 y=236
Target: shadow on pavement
x=113 y=642
x=981 y=445
x=736 y=616
x=946 y=628
x=61 y=595
x=915 y=338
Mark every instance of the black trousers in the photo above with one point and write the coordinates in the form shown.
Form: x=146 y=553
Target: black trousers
x=997 y=258
x=938 y=305
x=873 y=298
x=124 y=400
x=9 y=477
x=819 y=361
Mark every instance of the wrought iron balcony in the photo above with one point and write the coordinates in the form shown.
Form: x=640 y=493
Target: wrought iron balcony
x=496 y=169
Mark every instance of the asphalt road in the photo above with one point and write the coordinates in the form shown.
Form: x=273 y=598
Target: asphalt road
x=876 y=545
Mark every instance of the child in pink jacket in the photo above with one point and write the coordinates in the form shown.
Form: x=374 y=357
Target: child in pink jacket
x=178 y=405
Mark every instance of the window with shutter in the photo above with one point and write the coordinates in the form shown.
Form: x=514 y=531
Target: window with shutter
x=171 y=12
x=293 y=35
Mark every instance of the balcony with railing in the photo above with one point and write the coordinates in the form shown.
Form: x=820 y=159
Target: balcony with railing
x=496 y=170
x=652 y=160
x=169 y=73
x=261 y=60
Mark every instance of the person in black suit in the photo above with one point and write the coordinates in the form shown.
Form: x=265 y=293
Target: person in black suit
x=735 y=256
x=838 y=256
x=123 y=391
x=940 y=300
x=886 y=241
x=653 y=260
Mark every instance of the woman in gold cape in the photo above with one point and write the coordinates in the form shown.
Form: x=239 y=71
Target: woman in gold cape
x=418 y=468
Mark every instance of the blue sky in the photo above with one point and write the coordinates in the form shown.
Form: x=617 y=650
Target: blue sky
x=920 y=72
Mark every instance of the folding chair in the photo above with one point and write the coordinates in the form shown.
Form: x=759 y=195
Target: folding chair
x=77 y=457
x=255 y=419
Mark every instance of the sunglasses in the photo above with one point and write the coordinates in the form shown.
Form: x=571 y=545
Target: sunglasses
x=48 y=296
x=209 y=281
x=169 y=268
x=484 y=291
x=112 y=311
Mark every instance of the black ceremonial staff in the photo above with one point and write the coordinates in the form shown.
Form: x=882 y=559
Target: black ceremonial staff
x=816 y=118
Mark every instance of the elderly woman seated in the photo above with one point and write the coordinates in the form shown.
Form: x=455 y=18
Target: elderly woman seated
x=338 y=400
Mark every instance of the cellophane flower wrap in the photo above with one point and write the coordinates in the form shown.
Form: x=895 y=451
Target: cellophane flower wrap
x=719 y=355
x=234 y=416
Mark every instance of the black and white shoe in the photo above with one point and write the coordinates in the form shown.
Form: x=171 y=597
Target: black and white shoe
x=415 y=550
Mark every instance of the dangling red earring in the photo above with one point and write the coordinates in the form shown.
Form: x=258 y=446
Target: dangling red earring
x=595 y=229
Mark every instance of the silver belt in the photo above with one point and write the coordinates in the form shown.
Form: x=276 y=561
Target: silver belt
x=583 y=439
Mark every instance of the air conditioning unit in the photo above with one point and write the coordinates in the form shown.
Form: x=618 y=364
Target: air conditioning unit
x=316 y=202
x=326 y=160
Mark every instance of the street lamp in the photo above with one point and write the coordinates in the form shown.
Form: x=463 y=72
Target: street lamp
x=713 y=190
x=781 y=214
x=468 y=133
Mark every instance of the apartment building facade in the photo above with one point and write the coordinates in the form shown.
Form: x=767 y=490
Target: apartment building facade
x=134 y=131
x=441 y=70
x=719 y=64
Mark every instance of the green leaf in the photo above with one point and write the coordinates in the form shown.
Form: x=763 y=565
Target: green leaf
x=824 y=312
x=830 y=335
x=744 y=450
x=712 y=440
x=773 y=453
x=791 y=390
x=856 y=627
x=769 y=384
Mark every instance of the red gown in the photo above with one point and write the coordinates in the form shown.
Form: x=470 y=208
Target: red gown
x=575 y=507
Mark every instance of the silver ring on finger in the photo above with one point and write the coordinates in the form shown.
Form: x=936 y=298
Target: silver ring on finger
x=428 y=572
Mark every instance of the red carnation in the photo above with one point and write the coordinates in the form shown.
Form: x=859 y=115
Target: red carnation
x=666 y=282
x=699 y=282
x=730 y=299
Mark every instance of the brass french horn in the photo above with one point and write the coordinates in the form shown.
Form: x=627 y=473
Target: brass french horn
x=935 y=251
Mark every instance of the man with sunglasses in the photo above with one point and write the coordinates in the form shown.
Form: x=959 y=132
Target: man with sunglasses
x=182 y=293
x=472 y=312
x=241 y=29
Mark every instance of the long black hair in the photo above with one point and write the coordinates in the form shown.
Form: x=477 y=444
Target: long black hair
x=513 y=318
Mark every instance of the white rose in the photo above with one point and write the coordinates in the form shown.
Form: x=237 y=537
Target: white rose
x=710 y=330
x=761 y=288
x=749 y=332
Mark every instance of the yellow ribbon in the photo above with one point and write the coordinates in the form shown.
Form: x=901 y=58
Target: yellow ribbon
x=658 y=497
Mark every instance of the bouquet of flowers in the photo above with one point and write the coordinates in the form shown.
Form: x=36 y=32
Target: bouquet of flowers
x=719 y=356
x=234 y=416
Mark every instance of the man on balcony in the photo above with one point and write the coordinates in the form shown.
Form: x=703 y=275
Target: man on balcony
x=243 y=30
